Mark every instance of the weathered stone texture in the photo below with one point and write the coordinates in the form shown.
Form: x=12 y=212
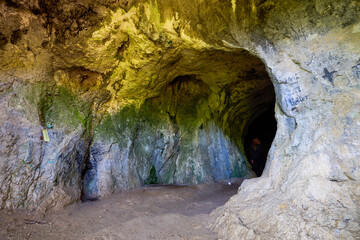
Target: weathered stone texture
x=122 y=86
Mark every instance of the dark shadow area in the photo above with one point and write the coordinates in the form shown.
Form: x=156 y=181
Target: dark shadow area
x=258 y=140
x=152 y=179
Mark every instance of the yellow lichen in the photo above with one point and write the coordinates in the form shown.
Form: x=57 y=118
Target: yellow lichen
x=233 y=4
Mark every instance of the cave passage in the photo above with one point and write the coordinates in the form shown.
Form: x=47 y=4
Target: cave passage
x=213 y=115
x=191 y=129
x=262 y=128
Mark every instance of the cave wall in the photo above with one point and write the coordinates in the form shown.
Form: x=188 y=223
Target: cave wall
x=309 y=188
x=87 y=70
x=118 y=94
x=176 y=132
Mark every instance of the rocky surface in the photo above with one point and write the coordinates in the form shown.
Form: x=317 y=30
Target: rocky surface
x=123 y=86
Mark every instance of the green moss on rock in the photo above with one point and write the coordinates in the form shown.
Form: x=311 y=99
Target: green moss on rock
x=66 y=110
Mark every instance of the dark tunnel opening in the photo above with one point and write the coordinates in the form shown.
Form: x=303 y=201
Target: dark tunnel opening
x=258 y=140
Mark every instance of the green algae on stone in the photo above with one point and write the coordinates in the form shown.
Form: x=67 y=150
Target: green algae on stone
x=67 y=110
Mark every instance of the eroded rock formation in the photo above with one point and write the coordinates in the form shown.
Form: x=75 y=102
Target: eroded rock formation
x=122 y=86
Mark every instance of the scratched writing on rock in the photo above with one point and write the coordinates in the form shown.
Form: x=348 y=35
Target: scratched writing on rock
x=293 y=92
x=294 y=101
x=290 y=80
x=57 y=154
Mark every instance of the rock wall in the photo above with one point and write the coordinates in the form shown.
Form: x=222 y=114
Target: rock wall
x=309 y=189
x=118 y=93
x=35 y=174
x=175 y=132
x=122 y=86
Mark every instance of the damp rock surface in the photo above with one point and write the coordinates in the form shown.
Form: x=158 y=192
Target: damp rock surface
x=125 y=86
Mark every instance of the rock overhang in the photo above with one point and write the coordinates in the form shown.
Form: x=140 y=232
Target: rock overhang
x=309 y=50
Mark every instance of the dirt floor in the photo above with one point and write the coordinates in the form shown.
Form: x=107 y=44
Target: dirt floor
x=152 y=212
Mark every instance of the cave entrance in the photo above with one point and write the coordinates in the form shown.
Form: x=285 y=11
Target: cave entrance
x=205 y=115
x=193 y=127
x=258 y=140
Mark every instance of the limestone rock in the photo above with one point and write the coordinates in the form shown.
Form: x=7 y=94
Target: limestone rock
x=122 y=86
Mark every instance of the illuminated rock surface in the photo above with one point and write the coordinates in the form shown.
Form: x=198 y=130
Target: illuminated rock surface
x=124 y=86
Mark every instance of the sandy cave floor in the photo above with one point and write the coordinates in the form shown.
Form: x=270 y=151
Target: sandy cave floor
x=153 y=212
